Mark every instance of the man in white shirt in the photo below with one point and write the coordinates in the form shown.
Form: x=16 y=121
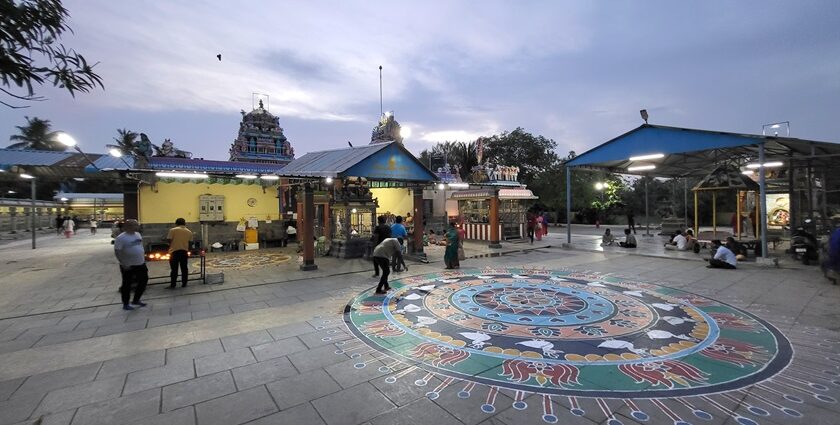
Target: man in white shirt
x=128 y=248
x=724 y=258
x=678 y=244
x=382 y=255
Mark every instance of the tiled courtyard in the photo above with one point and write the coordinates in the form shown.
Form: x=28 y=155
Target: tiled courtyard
x=270 y=346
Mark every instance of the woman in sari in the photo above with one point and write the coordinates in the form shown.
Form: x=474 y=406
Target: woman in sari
x=450 y=256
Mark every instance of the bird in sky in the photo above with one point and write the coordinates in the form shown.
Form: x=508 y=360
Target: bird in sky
x=219 y=56
x=348 y=142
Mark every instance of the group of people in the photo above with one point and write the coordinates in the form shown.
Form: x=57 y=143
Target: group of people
x=131 y=255
x=683 y=241
x=66 y=225
x=536 y=223
x=608 y=239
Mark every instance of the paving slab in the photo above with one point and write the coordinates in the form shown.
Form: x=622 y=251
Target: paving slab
x=130 y=408
x=236 y=408
x=80 y=395
x=223 y=361
x=197 y=390
x=316 y=358
x=133 y=363
x=248 y=339
x=352 y=406
x=46 y=382
x=193 y=351
x=19 y=408
x=279 y=348
x=159 y=376
x=263 y=372
x=303 y=414
x=421 y=411
x=302 y=388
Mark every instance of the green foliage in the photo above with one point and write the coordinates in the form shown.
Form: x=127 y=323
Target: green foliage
x=36 y=134
x=534 y=155
x=125 y=141
x=31 y=55
x=458 y=154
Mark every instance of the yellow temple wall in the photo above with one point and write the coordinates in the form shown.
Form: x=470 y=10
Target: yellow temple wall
x=166 y=202
x=394 y=200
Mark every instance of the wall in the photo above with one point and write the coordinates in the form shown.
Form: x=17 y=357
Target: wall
x=394 y=200
x=168 y=201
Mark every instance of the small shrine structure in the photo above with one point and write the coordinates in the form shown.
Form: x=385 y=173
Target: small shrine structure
x=261 y=139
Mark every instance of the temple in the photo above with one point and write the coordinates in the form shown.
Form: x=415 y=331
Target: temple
x=261 y=139
x=387 y=130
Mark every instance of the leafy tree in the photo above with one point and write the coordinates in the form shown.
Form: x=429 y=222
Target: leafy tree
x=36 y=134
x=457 y=154
x=532 y=154
x=125 y=141
x=30 y=53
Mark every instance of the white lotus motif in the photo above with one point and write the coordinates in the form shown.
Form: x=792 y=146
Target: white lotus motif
x=423 y=321
x=478 y=338
x=546 y=347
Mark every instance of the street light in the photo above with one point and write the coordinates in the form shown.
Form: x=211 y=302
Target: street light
x=116 y=153
x=599 y=186
x=775 y=126
x=66 y=140
x=31 y=179
x=328 y=180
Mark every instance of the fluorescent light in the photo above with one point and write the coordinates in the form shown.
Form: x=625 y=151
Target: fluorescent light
x=441 y=186
x=329 y=180
x=11 y=192
x=79 y=179
x=63 y=199
x=458 y=185
x=182 y=175
x=26 y=176
x=646 y=157
x=641 y=167
x=747 y=172
x=766 y=165
x=116 y=153
x=270 y=177
x=66 y=139
x=775 y=126
x=246 y=176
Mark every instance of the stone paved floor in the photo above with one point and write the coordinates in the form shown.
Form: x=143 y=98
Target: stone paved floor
x=261 y=348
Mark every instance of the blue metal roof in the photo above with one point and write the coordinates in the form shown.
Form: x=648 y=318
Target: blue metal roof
x=691 y=151
x=379 y=161
x=25 y=157
x=209 y=166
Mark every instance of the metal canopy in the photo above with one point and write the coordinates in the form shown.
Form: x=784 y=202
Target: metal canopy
x=691 y=152
x=381 y=161
x=52 y=164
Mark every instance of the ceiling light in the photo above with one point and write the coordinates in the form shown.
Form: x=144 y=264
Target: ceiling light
x=766 y=165
x=116 y=153
x=458 y=185
x=79 y=179
x=441 y=186
x=246 y=176
x=63 y=199
x=26 y=176
x=270 y=177
x=11 y=192
x=641 y=167
x=747 y=172
x=182 y=175
x=646 y=157
x=329 y=180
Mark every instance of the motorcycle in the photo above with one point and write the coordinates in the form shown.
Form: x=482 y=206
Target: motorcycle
x=804 y=245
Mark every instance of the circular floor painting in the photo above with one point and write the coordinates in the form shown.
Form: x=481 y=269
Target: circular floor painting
x=567 y=333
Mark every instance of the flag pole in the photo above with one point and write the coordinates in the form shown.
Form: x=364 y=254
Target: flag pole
x=381 y=111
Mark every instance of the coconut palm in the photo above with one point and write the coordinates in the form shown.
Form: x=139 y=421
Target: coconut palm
x=36 y=135
x=125 y=141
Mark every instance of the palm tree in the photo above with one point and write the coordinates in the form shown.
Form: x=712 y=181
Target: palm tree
x=125 y=141
x=36 y=135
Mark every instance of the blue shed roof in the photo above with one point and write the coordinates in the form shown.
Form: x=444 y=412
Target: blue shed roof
x=380 y=161
x=690 y=151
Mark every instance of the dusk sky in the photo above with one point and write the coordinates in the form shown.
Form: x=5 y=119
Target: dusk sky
x=576 y=72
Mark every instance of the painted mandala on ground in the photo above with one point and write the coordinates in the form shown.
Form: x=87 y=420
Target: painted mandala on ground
x=572 y=334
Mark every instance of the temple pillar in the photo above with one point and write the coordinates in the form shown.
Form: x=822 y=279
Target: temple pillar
x=306 y=233
x=494 y=220
x=419 y=229
x=13 y=219
x=131 y=201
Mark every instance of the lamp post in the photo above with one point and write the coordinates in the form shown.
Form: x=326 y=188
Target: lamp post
x=68 y=140
x=32 y=226
x=600 y=188
x=775 y=126
x=116 y=153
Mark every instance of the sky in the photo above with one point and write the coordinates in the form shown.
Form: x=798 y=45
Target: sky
x=577 y=72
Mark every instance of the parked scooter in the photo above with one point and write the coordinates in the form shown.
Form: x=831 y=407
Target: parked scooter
x=803 y=244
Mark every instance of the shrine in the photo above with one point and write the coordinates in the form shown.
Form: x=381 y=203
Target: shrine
x=261 y=139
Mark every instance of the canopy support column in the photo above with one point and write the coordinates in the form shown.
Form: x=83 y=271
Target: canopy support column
x=685 y=203
x=494 y=220
x=568 y=205
x=307 y=232
x=32 y=212
x=738 y=214
x=647 y=214
x=714 y=214
x=762 y=187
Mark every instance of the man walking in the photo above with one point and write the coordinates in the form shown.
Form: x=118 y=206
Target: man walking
x=179 y=238
x=59 y=225
x=382 y=255
x=398 y=231
x=128 y=248
x=381 y=232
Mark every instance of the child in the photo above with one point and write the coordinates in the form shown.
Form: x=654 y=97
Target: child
x=608 y=239
x=629 y=240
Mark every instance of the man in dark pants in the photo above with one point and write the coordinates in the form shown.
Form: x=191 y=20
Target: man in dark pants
x=381 y=232
x=382 y=255
x=723 y=257
x=631 y=221
x=179 y=238
x=128 y=248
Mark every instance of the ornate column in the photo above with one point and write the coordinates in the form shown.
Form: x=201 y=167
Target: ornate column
x=307 y=231
x=419 y=229
x=494 y=220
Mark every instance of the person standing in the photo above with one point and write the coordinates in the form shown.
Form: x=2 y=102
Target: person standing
x=631 y=221
x=93 y=225
x=399 y=232
x=179 y=238
x=538 y=230
x=69 y=225
x=381 y=232
x=382 y=255
x=128 y=248
x=59 y=225
x=531 y=224
x=450 y=256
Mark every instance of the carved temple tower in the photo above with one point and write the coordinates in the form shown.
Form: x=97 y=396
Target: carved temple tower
x=261 y=139
x=387 y=130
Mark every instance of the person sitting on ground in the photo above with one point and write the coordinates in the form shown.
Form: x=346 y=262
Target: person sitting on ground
x=679 y=243
x=629 y=240
x=608 y=239
x=723 y=257
x=432 y=237
x=739 y=249
x=692 y=244
x=291 y=233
